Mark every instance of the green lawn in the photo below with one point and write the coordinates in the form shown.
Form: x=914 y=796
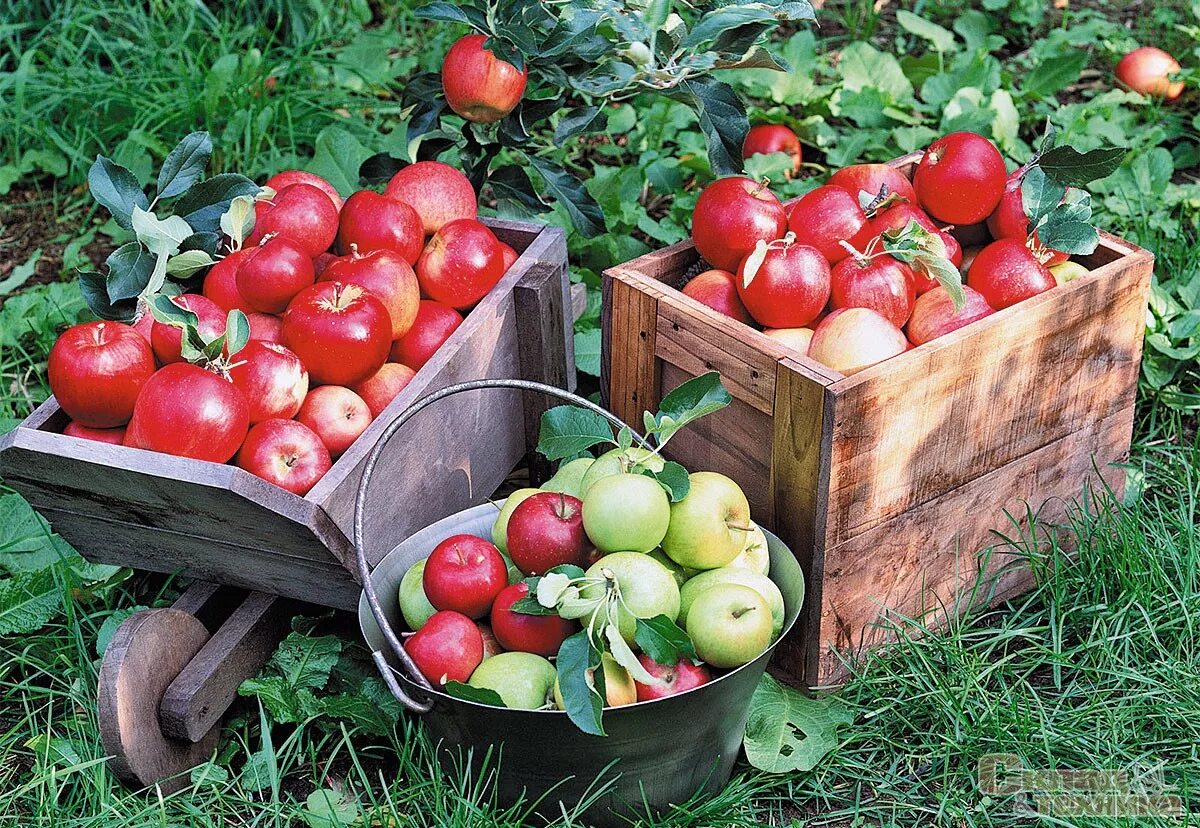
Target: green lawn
x=1099 y=667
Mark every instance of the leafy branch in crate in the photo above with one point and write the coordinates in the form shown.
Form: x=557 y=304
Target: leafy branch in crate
x=580 y=56
x=177 y=233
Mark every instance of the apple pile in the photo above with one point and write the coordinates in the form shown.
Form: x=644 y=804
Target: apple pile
x=601 y=550
x=299 y=338
x=865 y=267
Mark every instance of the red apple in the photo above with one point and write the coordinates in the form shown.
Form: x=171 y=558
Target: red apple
x=1147 y=70
x=434 y=324
x=870 y=178
x=825 y=218
x=448 y=647
x=465 y=574
x=795 y=338
x=768 y=138
x=790 y=287
x=546 y=531
x=265 y=327
x=934 y=314
x=718 y=290
x=273 y=274
x=1006 y=272
x=281 y=180
x=220 y=283
x=386 y=275
x=272 y=378
x=898 y=217
x=731 y=216
x=286 y=453
x=168 y=339
x=676 y=678
x=144 y=325
x=320 y=263
x=509 y=255
x=960 y=178
x=461 y=263
x=851 y=339
x=438 y=192
x=491 y=645
x=379 y=389
x=878 y=282
x=337 y=415
x=1009 y=221
x=114 y=436
x=478 y=85
x=540 y=634
x=374 y=222
x=98 y=370
x=302 y=214
x=340 y=332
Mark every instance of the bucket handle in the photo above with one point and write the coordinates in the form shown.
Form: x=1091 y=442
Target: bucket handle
x=364 y=570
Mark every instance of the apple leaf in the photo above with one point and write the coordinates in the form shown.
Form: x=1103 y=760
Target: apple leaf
x=551 y=588
x=237 y=332
x=238 y=221
x=117 y=189
x=779 y=716
x=185 y=164
x=673 y=478
x=663 y=640
x=480 y=695
x=581 y=683
x=570 y=570
x=917 y=246
x=567 y=430
x=624 y=656
x=1069 y=167
x=1077 y=238
x=625 y=438
x=1039 y=194
x=529 y=604
x=689 y=402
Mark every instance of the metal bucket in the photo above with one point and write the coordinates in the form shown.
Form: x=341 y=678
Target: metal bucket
x=656 y=753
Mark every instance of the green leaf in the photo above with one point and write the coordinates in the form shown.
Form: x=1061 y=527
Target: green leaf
x=203 y=205
x=237 y=332
x=238 y=221
x=925 y=250
x=570 y=570
x=578 y=120
x=109 y=628
x=587 y=351
x=722 y=118
x=673 y=478
x=306 y=661
x=188 y=263
x=117 y=189
x=724 y=29
x=662 y=639
x=337 y=158
x=1069 y=167
x=481 y=695
x=327 y=808
x=780 y=717
x=1039 y=194
x=94 y=290
x=185 y=164
x=622 y=653
x=21 y=273
x=1054 y=73
x=567 y=430
x=28 y=600
x=169 y=313
x=130 y=270
x=943 y=40
x=581 y=683
x=689 y=402
x=465 y=13
x=1077 y=238
x=569 y=192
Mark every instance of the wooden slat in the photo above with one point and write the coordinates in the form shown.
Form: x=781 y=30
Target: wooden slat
x=925 y=559
x=912 y=428
x=630 y=325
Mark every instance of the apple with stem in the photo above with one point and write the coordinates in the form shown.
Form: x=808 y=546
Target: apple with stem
x=337 y=415
x=624 y=513
x=286 y=453
x=708 y=528
x=647 y=589
x=448 y=647
x=758 y=582
x=674 y=678
x=465 y=574
x=541 y=634
x=730 y=625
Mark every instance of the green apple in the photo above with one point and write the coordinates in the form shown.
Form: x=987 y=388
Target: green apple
x=619 y=687
x=647 y=588
x=1067 y=271
x=569 y=477
x=633 y=459
x=414 y=606
x=758 y=582
x=626 y=513
x=524 y=681
x=681 y=574
x=755 y=555
x=729 y=624
x=709 y=527
x=500 y=527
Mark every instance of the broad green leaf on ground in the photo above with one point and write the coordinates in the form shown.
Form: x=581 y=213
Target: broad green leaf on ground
x=789 y=731
x=337 y=158
x=20 y=274
x=942 y=39
x=28 y=600
x=306 y=661
x=109 y=628
x=567 y=430
x=327 y=808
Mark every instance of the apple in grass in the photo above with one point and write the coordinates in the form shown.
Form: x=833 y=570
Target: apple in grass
x=432 y=326
x=545 y=531
x=480 y=86
x=460 y=264
x=934 y=314
x=500 y=527
x=731 y=216
x=414 y=606
x=789 y=287
x=730 y=625
x=302 y=214
x=540 y=634
x=708 y=528
x=568 y=479
x=387 y=276
x=618 y=461
x=370 y=221
x=769 y=138
x=718 y=290
x=465 y=574
x=851 y=339
x=1006 y=272
x=379 y=389
x=438 y=192
x=448 y=647
x=648 y=588
x=272 y=378
x=624 y=513
x=674 y=678
x=826 y=217
x=337 y=415
x=1148 y=70
x=619 y=687
x=764 y=586
x=870 y=178
x=286 y=453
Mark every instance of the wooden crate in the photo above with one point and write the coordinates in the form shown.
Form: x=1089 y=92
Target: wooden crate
x=889 y=482
x=222 y=524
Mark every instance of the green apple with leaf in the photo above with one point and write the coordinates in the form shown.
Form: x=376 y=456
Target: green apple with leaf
x=758 y=582
x=569 y=477
x=626 y=513
x=628 y=460
x=709 y=527
x=523 y=680
x=619 y=686
x=729 y=624
x=756 y=554
x=645 y=589
x=414 y=606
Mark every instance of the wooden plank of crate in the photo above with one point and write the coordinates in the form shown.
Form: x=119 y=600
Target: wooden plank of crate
x=910 y=429
x=629 y=314
x=925 y=558
x=198 y=697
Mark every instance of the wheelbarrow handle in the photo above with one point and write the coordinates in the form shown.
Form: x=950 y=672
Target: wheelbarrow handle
x=364 y=570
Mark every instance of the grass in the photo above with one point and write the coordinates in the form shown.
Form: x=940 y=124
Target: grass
x=1099 y=667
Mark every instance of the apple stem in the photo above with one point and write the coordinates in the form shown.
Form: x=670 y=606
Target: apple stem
x=738 y=527
x=740 y=612
x=862 y=259
x=762 y=185
x=354 y=254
